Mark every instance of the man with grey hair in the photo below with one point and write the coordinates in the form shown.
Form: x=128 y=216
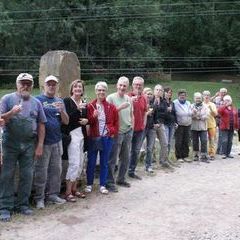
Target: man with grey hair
x=47 y=177
x=23 y=141
x=140 y=117
x=184 y=121
x=122 y=141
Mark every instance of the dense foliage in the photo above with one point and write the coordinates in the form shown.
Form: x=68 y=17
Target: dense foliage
x=121 y=36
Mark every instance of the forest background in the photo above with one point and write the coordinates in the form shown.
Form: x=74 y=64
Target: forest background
x=189 y=39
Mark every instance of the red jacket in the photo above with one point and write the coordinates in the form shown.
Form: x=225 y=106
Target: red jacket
x=224 y=114
x=111 y=114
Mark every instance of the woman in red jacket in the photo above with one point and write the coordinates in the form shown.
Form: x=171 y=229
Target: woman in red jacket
x=228 y=123
x=103 y=121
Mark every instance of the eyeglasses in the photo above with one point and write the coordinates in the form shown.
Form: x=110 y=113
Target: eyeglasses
x=28 y=84
x=51 y=84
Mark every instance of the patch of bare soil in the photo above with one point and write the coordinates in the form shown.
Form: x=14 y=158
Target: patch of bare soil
x=198 y=201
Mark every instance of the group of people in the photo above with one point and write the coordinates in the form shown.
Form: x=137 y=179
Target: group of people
x=38 y=132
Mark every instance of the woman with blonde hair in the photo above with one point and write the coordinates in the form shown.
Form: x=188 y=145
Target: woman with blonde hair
x=77 y=111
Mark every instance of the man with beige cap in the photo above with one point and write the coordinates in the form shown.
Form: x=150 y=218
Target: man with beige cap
x=23 y=135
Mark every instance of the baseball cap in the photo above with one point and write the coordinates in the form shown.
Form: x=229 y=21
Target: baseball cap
x=51 y=78
x=24 y=76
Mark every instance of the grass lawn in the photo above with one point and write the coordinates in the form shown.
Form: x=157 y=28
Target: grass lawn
x=191 y=87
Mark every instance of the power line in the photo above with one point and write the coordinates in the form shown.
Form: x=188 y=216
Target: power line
x=118 y=6
x=117 y=17
x=23 y=57
x=130 y=69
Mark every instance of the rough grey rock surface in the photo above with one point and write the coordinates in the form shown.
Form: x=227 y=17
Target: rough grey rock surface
x=62 y=64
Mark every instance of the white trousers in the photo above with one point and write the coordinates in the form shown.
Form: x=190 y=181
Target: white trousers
x=75 y=155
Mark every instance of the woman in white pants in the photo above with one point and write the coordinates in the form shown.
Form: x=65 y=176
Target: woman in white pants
x=77 y=111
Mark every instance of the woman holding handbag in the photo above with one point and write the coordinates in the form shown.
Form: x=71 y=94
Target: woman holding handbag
x=103 y=126
x=76 y=134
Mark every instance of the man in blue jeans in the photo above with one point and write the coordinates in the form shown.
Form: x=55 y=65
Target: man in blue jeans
x=23 y=141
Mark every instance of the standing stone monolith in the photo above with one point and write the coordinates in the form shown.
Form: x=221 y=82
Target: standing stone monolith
x=62 y=64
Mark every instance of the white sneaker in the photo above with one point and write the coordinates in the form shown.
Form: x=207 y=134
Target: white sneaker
x=88 y=189
x=40 y=204
x=103 y=190
x=180 y=160
x=149 y=170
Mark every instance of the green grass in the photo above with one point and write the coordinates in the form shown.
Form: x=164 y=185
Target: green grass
x=191 y=87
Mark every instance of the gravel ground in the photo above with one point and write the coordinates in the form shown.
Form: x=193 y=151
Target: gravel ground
x=198 y=201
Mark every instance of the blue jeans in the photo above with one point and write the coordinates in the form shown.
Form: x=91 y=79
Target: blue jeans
x=227 y=137
x=169 y=130
x=107 y=143
x=137 y=141
x=150 y=135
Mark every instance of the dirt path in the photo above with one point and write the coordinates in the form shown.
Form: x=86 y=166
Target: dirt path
x=198 y=201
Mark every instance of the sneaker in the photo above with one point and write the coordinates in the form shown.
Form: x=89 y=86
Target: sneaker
x=40 y=204
x=224 y=157
x=149 y=170
x=5 y=215
x=133 y=175
x=25 y=210
x=111 y=188
x=103 y=190
x=180 y=160
x=188 y=160
x=88 y=189
x=196 y=158
x=230 y=156
x=204 y=159
x=212 y=158
x=165 y=165
x=124 y=184
x=56 y=200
